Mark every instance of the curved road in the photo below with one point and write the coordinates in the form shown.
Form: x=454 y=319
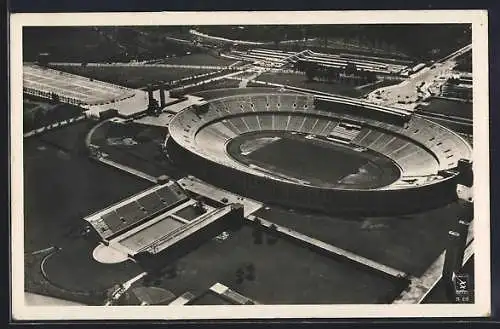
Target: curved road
x=408 y=93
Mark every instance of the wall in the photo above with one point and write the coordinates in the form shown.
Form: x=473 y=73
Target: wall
x=381 y=202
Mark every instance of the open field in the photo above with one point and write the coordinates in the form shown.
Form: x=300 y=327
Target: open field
x=40 y=113
x=29 y=106
x=285 y=272
x=133 y=77
x=74 y=268
x=144 y=153
x=219 y=84
x=300 y=80
x=449 y=108
x=62 y=185
x=198 y=59
x=99 y=44
x=72 y=274
x=409 y=243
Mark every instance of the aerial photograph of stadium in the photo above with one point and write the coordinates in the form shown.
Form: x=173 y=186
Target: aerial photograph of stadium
x=248 y=164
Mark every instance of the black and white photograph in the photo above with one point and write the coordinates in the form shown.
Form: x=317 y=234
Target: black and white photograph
x=250 y=165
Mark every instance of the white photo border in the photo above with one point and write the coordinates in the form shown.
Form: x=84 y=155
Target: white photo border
x=482 y=305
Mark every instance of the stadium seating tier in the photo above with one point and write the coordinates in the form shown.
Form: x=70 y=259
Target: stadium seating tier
x=422 y=148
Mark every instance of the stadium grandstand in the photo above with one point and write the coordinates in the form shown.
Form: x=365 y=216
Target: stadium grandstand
x=343 y=196
x=97 y=97
x=402 y=155
x=279 y=58
x=70 y=88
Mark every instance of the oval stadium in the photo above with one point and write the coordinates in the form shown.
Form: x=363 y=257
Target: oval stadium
x=331 y=154
x=186 y=169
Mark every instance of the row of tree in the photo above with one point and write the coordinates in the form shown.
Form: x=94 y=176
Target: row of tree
x=411 y=39
x=99 y=44
x=350 y=72
x=464 y=63
x=43 y=116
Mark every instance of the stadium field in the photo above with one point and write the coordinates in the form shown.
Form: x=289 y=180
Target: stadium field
x=409 y=243
x=133 y=77
x=284 y=272
x=319 y=162
x=198 y=59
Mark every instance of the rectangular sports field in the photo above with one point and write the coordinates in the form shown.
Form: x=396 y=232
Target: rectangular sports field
x=70 y=85
x=284 y=272
x=133 y=77
x=313 y=162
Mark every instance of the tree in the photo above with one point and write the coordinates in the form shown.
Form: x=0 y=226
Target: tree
x=172 y=271
x=239 y=275
x=332 y=73
x=250 y=275
x=39 y=117
x=257 y=235
x=54 y=97
x=350 y=68
x=311 y=70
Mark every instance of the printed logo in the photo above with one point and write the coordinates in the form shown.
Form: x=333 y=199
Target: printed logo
x=463 y=287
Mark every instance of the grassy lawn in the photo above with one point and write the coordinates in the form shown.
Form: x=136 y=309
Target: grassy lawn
x=133 y=77
x=285 y=272
x=299 y=80
x=409 y=243
x=198 y=59
x=145 y=154
x=448 y=107
x=219 y=84
x=62 y=186
x=29 y=106
x=74 y=269
x=35 y=282
x=49 y=113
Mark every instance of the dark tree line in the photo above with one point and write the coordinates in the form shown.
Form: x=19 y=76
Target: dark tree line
x=419 y=41
x=464 y=63
x=350 y=72
x=100 y=44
